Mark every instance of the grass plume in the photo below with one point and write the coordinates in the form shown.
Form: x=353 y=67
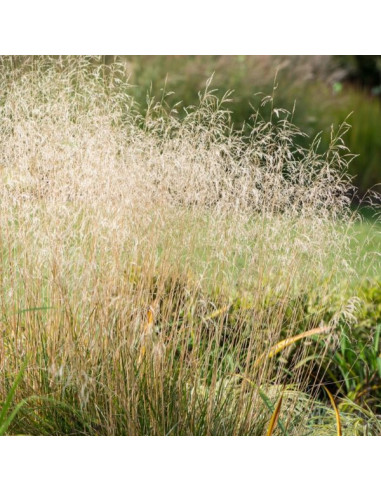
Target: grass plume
x=171 y=252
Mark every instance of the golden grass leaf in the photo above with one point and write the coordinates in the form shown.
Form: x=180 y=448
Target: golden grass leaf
x=217 y=313
x=278 y=347
x=274 y=417
x=337 y=414
x=148 y=325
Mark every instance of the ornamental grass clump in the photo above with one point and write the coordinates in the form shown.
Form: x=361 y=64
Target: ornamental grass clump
x=150 y=257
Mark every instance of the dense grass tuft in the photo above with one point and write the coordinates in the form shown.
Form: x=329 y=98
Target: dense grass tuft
x=148 y=262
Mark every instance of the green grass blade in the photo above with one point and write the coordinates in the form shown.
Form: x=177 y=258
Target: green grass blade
x=11 y=393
